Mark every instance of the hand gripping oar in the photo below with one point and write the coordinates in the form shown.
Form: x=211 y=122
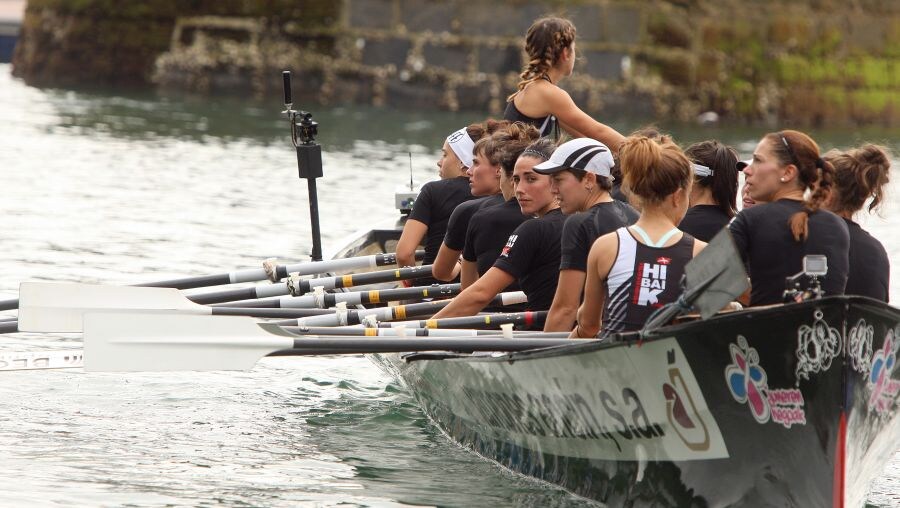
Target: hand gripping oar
x=272 y=273
x=166 y=342
x=326 y=300
x=59 y=307
x=298 y=287
x=343 y=317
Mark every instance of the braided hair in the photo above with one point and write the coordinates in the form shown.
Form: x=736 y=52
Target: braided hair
x=815 y=174
x=545 y=42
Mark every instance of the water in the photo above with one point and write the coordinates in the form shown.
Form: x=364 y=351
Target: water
x=100 y=187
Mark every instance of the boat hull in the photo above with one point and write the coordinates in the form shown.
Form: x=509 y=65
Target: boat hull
x=788 y=406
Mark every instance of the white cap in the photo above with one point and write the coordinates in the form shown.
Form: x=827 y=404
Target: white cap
x=583 y=153
x=462 y=145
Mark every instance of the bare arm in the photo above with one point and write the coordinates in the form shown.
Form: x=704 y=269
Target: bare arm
x=412 y=235
x=599 y=263
x=468 y=273
x=577 y=122
x=446 y=265
x=561 y=317
x=478 y=295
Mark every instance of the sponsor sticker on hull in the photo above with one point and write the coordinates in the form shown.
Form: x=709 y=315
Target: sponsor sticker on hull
x=748 y=383
x=630 y=403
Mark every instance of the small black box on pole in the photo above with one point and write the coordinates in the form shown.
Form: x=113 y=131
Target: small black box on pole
x=309 y=158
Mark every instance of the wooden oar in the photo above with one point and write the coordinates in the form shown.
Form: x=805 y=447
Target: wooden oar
x=351 y=298
x=257 y=274
x=58 y=307
x=301 y=287
x=165 y=342
x=343 y=317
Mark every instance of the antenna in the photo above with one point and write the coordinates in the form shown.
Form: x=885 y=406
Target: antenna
x=410 y=172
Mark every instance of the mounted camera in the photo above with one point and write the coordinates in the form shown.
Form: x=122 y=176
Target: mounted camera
x=806 y=284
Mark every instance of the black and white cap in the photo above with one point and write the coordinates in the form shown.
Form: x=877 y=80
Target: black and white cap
x=583 y=153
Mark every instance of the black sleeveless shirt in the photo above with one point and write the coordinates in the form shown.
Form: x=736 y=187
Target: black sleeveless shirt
x=548 y=125
x=641 y=280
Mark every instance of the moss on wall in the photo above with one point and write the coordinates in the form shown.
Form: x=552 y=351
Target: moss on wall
x=797 y=62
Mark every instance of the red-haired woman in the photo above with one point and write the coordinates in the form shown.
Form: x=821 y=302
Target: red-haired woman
x=539 y=101
x=636 y=269
x=860 y=174
x=773 y=237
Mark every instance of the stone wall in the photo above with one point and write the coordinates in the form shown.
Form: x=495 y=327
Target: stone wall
x=805 y=62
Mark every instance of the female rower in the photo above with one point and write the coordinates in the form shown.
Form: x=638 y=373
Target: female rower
x=581 y=179
x=437 y=199
x=714 y=193
x=861 y=174
x=531 y=254
x=484 y=183
x=773 y=237
x=550 y=45
x=634 y=270
x=490 y=227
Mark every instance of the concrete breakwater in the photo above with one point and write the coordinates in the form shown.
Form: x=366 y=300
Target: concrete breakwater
x=808 y=62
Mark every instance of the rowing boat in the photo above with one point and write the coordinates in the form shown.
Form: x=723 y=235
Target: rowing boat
x=792 y=405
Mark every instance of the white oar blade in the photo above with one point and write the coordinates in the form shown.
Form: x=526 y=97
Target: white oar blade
x=119 y=341
x=58 y=307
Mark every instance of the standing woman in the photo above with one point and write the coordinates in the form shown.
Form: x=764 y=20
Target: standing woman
x=714 y=193
x=861 y=174
x=582 y=181
x=484 y=183
x=634 y=270
x=539 y=101
x=774 y=236
x=490 y=227
x=437 y=199
x=531 y=254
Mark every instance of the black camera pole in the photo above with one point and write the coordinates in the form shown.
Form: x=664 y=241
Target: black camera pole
x=309 y=159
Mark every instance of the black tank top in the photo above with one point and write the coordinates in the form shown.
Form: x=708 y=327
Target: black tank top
x=548 y=125
x=641 y=280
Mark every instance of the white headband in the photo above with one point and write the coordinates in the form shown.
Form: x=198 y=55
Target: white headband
x=462 y=145
x=702 y=171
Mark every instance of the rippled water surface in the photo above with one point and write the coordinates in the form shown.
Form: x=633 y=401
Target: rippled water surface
x=100 y=187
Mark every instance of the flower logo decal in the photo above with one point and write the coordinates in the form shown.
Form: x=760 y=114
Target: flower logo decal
x=747 y=380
